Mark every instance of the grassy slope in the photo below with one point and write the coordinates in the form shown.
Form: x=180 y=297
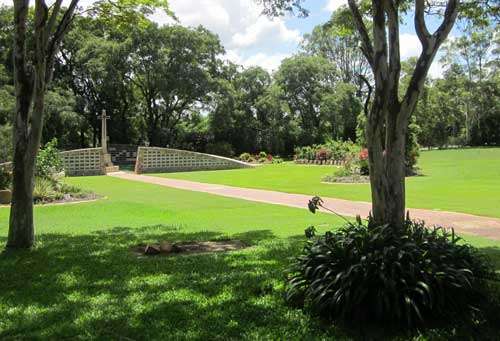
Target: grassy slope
x=454 y=180
x=82 y=280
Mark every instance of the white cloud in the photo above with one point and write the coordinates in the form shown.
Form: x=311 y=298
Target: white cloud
x=262 y=30
x=409 y=45
x=269 y=62
x=239 y=24
x=333 y=5
x=250 y=37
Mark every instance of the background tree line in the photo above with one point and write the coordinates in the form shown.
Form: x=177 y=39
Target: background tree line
x=172 y=86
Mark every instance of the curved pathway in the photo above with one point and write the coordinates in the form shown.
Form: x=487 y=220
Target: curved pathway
x=461 y=222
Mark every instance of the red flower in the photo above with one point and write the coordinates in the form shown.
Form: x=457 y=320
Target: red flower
x=363 y=154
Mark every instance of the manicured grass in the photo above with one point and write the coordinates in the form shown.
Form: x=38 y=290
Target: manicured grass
x=82 y=281
x=453 y=180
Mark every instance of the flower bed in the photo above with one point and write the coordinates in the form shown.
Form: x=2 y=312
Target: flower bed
x=261 y=158
x=331 y=153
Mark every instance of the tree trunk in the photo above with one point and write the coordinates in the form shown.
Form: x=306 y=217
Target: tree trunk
x=387 y=121
x=21 y=227
x=30 y=79
x=386 y=147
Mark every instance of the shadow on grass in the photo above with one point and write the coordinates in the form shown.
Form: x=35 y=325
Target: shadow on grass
x=92 y=286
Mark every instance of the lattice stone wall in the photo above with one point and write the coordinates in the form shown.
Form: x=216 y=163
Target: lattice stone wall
x=157 y=160
x=83 y=162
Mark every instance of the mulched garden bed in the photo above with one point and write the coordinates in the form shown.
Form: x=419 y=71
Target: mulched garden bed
x=170 y=249
x=351 y=179
x=68 y=198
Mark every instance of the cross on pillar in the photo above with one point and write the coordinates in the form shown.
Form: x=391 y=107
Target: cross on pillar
x=104 y=131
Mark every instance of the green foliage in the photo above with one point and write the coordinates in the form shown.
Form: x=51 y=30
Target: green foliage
x=47 y=190
x=5 y=143
x=246 y=157
x=220 y=148
x=43 y=190
x=48 y=161
x=332 y=150
x=380 y=276
x=307 y=81
x=277 y=160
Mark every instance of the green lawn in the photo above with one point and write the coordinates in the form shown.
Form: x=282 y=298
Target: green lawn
x=453 y=180
x=82 y=282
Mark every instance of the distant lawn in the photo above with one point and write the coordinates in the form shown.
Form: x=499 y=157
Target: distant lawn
x=453 y=180
x=82 y=282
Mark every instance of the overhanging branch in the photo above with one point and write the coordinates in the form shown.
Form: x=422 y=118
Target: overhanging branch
x=368 y=96
x=366 y=44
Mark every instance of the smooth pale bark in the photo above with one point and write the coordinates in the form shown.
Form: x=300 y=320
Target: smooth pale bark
x=31 y=81
x=388 y=118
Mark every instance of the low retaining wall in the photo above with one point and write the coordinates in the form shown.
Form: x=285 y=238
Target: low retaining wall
x=158 y=160
x=321 y=162
x=84 y=162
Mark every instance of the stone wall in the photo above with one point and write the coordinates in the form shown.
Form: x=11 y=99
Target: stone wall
x=83 y=162
x=158 y=160
x=123 y=154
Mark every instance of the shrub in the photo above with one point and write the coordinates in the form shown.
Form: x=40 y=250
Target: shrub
x=277 y=160
x=364 y=168
x=333 y=150
x=269 y=158
x=48 y=161
x=363 y=274
x=262 y=155
x=220 y=148
x=245 y=157
x=5 y=179
x=5 y=143
x=43 y=190
x=323 y=154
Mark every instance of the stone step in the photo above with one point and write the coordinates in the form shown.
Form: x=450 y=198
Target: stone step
x=112 y=169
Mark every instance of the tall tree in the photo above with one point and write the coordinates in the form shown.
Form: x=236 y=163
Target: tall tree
x=31 y=80
x=33 y=71
x=338 y=42
x=305 y=81
x=172 y=68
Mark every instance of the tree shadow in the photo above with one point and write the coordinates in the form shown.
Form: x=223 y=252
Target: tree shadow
x=94 y=286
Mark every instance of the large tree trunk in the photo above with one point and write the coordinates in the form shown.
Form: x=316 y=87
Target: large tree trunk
x=388 y=118
x=387 y=173
x=21 y=228
x=31 y=79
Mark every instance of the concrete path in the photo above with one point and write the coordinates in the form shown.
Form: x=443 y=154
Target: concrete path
x=461 y=222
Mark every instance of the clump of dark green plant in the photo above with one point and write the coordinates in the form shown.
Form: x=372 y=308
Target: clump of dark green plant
x=365 y=274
